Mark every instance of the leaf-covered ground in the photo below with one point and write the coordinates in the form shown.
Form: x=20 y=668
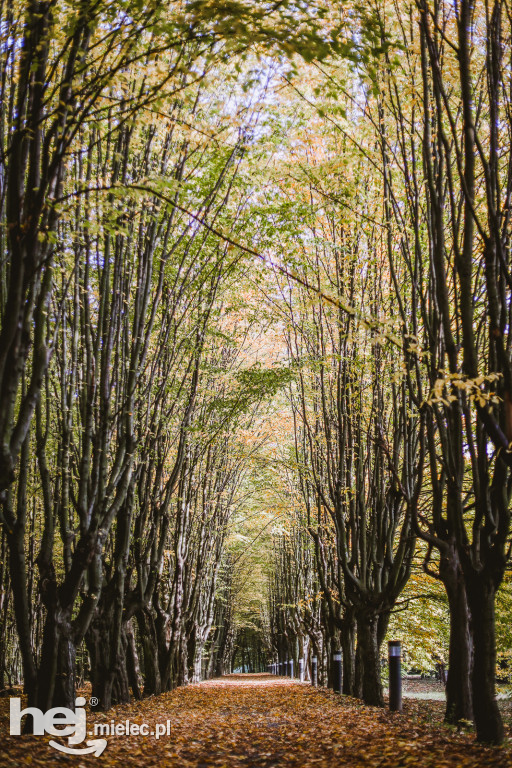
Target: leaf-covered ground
x=246 y=721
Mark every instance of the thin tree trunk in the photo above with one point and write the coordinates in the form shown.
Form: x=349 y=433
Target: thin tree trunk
x=349 y=657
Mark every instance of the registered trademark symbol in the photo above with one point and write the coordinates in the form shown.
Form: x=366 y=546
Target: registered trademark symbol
x=93 y=701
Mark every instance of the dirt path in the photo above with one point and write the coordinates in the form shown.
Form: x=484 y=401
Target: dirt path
x=256 y=721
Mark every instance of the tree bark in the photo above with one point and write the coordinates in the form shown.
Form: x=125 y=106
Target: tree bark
x=460 y=659
x=369 y=657
x=488 y=721
x=147 y=631
x=65 y=679
x=348 y=657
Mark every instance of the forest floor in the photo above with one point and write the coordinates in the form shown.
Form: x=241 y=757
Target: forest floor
x=258 y=721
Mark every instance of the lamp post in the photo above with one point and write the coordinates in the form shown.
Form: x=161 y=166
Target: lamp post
x=337 y=672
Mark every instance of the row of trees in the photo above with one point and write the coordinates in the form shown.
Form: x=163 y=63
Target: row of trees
x=400 y=335
x=121 y=341
x=122 y=379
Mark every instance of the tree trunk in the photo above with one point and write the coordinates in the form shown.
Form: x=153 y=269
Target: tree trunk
x=132 y=662
x=367 y=627
x=198 y=665
x=65 y=681
x=358 y=672
x=107 y=644
x=349 y=658
x=460 y=659
x=17 y=570
x=147 y=632
x=47 y=671
x=488 y=721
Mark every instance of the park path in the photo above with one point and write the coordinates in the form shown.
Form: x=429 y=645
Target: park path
x=258 y=721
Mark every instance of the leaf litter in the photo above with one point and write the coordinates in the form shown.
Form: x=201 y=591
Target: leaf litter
x=259 y=721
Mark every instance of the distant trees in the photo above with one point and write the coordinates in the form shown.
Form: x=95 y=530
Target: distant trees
x=295 y=625
x=356 y=452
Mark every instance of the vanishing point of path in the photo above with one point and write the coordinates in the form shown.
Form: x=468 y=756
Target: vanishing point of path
x=258 y=721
